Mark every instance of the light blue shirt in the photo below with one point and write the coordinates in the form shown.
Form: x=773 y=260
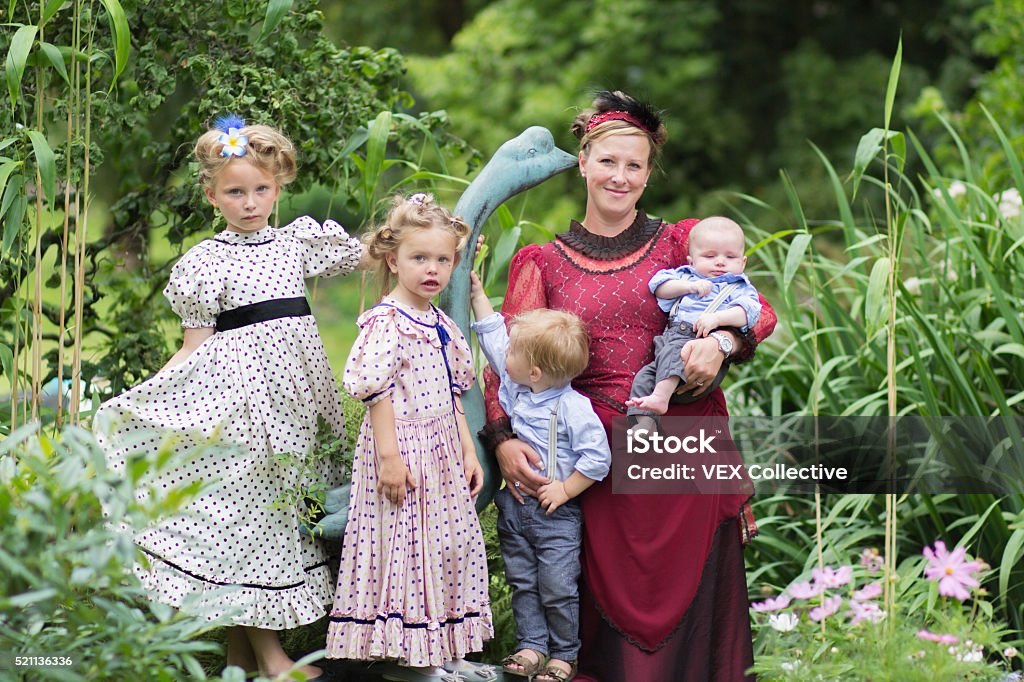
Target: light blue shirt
x=691 y=305
x=582 y=443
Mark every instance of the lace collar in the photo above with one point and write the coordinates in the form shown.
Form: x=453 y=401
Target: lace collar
x=598 y=247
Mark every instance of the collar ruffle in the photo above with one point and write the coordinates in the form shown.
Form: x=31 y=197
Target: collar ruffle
x=598 y=247
x=417 y=324
x=260 y=236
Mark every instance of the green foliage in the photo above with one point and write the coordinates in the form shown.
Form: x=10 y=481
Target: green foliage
x=137 y=119
x=956 y=250
x=789 y=645
x=67 y=586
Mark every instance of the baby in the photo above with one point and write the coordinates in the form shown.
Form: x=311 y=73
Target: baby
x=709 y=293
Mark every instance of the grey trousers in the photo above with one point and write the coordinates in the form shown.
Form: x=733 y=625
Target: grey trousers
x=542 y=566
x=668 y=364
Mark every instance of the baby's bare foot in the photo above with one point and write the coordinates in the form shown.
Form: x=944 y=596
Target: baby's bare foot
x=651 y=403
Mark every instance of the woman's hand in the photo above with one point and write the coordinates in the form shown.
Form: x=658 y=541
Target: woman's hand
x=393 y=478
x=474 y=472
x=514 y=459
x=701 y=361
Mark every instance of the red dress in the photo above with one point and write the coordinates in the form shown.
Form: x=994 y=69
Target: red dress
x=663 y=593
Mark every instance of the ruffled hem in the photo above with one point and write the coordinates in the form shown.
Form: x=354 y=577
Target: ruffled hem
x=268 y=608
x=414 y=644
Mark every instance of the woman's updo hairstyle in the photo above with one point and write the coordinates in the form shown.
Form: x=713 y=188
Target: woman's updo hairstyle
x=616 y=113
x=407 y=214
x=266 y=148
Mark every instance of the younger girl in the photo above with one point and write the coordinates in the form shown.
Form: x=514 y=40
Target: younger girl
x=252 y=376
x=412 y=586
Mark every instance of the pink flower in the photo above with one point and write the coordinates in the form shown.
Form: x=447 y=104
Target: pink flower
x=871 y=559
x=830 y=606
x=934 y=637
x=867 y=610
x=776 y=604
x=805 y=590
x=868 y=592
x=951 y=570
x=830 y=577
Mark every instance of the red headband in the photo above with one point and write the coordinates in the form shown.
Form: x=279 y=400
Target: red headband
x=616 y=115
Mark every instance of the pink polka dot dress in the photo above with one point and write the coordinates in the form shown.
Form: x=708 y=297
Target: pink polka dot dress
x=413 y=580
x=247 y=395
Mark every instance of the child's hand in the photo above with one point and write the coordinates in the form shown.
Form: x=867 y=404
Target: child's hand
x=474 y=473
x=701 y=287
x=552 y=496
x=393 y=479
x=705 y=324
x=478 y=298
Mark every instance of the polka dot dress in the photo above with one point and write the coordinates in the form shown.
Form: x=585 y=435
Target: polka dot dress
x=242 y=396
x=413 y=580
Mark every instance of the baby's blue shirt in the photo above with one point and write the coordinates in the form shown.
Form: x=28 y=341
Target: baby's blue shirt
x=582 y=442
x=691 y=306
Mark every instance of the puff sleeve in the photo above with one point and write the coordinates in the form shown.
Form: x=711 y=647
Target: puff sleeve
x=374 y=361
x=194 y=289
x=324 y=250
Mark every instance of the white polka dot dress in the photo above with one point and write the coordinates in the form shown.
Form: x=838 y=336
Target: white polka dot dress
x=244 y=395
x=413 y=580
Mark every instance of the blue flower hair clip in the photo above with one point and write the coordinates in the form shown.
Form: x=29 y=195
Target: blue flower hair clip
x=232 y=140
x=419 y=198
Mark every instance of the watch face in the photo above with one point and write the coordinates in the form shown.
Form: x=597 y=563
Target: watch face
x=724 y=342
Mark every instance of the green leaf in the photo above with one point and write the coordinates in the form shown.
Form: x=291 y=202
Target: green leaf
x=376 y=147
x=17 y=55
x=1012 y=553
x=46 y=163
x=874 y=299
x=122 y=36
x=1010 y=349
x=55 y=58
x=894 y=79
x=795 y=257
x=276 y=10
x=899 y=149
x=52 y=7
x=12 y=209
x=7 y=362
x=867 y=149
x=5 y=173
x=503 y=252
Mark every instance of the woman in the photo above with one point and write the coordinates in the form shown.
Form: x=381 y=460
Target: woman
x=664 y=592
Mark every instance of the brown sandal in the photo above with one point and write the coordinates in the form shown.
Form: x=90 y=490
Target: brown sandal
x=527 y=667
x=553 y=674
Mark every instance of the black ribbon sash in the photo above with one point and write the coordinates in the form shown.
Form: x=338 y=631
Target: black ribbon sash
x=254 y=313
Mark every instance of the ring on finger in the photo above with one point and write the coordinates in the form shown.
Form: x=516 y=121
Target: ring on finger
x=517 y=484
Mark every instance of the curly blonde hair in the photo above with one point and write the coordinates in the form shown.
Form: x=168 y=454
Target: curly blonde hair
x=556 y=341
x=267 y=149
x=407 y=214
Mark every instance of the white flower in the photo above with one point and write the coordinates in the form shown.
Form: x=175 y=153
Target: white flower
x=783 y=622
x=955 y=189
x=1009 y=203
x=1010 y=652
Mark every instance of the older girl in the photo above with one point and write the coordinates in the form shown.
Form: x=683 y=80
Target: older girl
x=252 y=379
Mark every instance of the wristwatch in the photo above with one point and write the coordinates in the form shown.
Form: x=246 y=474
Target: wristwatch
x=725 y=343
